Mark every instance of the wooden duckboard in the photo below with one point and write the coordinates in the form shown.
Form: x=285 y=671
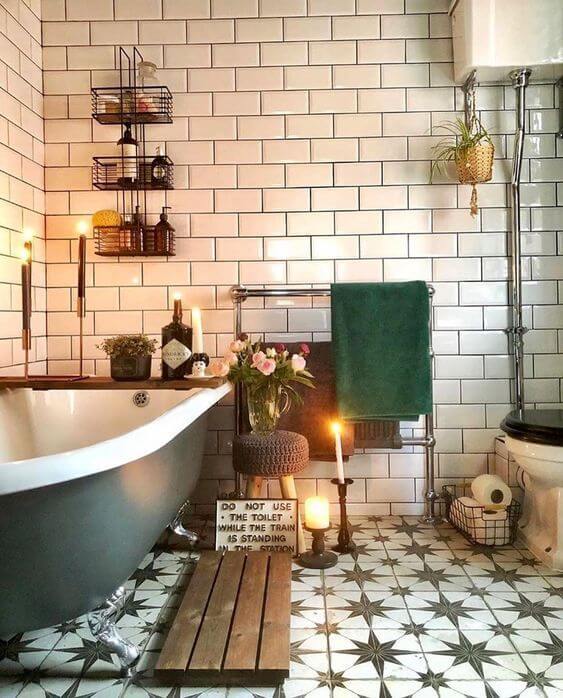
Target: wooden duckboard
x=232 y=626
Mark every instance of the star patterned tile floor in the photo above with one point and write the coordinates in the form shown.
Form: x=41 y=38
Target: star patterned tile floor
x=414 y=611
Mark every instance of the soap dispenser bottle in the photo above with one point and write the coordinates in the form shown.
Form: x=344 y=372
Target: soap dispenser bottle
x=163 y=232
x=159 y=170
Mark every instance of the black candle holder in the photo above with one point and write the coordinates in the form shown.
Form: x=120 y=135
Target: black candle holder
x=345 y=542
x=318 y=558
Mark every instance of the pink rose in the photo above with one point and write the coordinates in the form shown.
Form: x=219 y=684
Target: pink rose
x=236 y=346
x=257 y=358
x=267 y=367
x=298 y=363
x=305 y=349
x=231 y=358
x=219 y=368
x=279 y=347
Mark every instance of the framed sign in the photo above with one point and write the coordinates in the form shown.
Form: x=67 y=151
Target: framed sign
x=257 y=524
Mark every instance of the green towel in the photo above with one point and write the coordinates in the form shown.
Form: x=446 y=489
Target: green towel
x=381 y=350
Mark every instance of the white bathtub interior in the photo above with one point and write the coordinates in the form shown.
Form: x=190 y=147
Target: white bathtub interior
x=42 y=423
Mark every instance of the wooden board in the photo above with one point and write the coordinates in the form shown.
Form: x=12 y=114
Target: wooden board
x=232 y=627
x=106 y=383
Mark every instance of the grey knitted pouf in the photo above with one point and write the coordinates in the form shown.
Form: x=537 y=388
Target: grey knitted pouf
x=280 y=453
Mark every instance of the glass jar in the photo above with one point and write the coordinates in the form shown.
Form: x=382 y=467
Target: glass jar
x=265 y=406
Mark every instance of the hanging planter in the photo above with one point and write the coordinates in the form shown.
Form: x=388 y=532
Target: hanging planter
x=472 y=151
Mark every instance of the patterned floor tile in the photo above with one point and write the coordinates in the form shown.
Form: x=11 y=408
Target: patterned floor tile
x=415 y=610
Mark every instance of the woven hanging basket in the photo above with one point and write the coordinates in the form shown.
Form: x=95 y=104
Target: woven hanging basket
x=474 y=166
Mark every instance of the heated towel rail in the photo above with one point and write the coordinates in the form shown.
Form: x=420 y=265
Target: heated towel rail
x=240 y=293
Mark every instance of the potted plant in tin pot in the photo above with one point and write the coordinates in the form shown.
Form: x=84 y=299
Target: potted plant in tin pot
x=267 y=376
x=130 y=356
x=471 y=149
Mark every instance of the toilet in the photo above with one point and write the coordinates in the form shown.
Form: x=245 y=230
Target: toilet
x=535 y=440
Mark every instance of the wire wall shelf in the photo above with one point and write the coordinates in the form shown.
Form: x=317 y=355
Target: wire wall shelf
x=116 y=173
x=131 y=241
x=132 y=104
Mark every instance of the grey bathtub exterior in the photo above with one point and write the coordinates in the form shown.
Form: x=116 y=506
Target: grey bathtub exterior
x=66 y=547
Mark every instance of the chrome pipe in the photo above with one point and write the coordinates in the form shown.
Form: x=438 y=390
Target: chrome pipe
x=241 y=293
x=520 y=79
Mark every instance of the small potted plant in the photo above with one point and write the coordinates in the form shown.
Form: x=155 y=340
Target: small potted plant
x=130 y=356
x=472 y=151
x=267 y=376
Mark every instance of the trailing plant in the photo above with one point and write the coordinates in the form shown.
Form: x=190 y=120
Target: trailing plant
x=128 y=345
x=461 y=139
x=470 y=147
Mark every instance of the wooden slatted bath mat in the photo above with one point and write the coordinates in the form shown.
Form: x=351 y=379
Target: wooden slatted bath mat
x=232 y=626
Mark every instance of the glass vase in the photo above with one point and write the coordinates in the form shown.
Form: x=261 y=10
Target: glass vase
x=265 y=406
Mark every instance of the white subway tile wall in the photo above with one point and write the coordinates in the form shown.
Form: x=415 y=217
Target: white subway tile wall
x=22 y=196
x=302 y=141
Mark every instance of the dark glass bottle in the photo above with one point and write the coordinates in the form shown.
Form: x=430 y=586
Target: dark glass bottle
x=176 y=346
x=138 y=231
x=163 y=233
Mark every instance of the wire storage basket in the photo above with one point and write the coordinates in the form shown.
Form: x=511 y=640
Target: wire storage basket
x=479 y=524
x=129 y=241
x=150 y=104
x=132 y=172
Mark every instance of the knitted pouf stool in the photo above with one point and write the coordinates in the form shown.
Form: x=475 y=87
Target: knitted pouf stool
x=279 y=455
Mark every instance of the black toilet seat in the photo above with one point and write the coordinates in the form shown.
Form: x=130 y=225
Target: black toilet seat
x=536 y=426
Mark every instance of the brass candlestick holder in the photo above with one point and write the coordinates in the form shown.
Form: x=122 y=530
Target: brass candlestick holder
x=318 y=558
x=345 y=542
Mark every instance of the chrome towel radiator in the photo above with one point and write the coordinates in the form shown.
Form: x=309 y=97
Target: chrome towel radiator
x=240 y=293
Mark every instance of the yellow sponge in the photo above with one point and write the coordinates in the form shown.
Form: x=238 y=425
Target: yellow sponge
x=106 y=217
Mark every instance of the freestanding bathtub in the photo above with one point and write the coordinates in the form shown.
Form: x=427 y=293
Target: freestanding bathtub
x=88 y=481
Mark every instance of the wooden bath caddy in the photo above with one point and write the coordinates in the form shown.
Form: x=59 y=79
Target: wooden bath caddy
x=106 y=383
x=232 y=626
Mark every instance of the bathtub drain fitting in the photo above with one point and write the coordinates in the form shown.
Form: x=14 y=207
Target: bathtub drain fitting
x=141 y=398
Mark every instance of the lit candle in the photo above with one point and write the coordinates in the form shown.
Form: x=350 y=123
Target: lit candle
x=178 y=306
x=316 y=513
x=26 y=290
x=197 y=331
x=28 y=248
x=336 y=428
x=82 y=228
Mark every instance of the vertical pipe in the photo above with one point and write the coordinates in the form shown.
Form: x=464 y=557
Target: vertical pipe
x=430 y=495
x=520 y=79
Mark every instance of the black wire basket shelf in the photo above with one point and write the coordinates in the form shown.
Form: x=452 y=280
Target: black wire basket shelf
x=149 y=104
x=479 y=524
x=132 y=241
x=133 y=172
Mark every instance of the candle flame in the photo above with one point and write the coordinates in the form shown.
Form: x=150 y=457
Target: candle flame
x=177 y=296
x=82 y=227
x=336 y=427
x=25 y=255
x=28 y=234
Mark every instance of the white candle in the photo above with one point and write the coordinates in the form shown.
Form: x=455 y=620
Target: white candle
x=197 y=331
x=316 y=513
x=336 y=428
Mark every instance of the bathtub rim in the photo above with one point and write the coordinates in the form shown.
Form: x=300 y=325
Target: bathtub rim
x=42 y=471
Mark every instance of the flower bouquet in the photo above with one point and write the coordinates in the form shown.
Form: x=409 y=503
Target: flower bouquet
x=267 y=376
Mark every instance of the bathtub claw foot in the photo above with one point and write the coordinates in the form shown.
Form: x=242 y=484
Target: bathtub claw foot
x=177 y=527
x=102 y=625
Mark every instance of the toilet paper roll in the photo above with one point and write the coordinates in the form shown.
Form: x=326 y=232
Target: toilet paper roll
x=491 y=491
